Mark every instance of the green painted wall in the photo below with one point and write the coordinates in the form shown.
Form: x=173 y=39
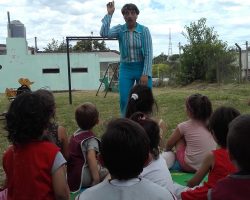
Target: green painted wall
x=20 y=63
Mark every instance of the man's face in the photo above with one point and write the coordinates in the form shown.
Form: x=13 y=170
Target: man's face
x=130 y=17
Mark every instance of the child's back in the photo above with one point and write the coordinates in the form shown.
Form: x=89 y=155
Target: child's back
x=217 y=163
x=24 y=164
x=191 y=139
x=35 y=169
x=125 y=149
x=141 y=99
x=156 y=170
x=236 y=186
x=83 y=169
x=199 y=141
x=77 y=169
x=54 y=133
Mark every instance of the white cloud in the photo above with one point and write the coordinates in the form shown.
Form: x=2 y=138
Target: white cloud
x=47 y=19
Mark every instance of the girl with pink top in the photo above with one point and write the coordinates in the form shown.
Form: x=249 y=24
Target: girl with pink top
x=192 y=139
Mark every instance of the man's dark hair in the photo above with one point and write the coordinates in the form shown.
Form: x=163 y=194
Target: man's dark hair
x=130 y=6
x=26 y=118
x=238 y=141
x=86 y=116
x=124 y=148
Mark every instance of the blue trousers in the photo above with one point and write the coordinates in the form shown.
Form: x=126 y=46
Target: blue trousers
x=129 y=74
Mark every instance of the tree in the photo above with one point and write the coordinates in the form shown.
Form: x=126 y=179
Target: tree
x=174 y=57
x=52 y=47
x=162 y=58
x=88 y=45
x=80 y=46
x=205 y=57
x=83 y=45
x=55 y=47
x=101 y=46
x=160 y=70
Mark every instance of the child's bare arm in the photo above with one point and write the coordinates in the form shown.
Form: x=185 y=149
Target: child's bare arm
x=65 y=143
x=92 y=162
x=163 y=130
x=206 y=165
x=59 y=182
x=173 y=139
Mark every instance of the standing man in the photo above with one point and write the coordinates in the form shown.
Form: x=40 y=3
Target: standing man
x=136 y=52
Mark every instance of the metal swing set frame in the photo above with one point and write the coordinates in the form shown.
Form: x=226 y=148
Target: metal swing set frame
x=77 y=38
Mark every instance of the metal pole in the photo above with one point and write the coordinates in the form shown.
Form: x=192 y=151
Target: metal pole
x=74 y=38
x=9 y=31
x=179 y=48
x=69 y=77
x=36 y=45
x=247 y=60
x=240 y=62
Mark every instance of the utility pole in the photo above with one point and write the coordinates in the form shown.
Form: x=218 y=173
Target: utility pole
x=36 y=49
x=9 y=30
x=240 y=63
x=179 y=45
x=169 y=45
x=91 y=40
x=247 y=60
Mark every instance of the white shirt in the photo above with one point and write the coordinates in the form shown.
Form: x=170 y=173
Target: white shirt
x=158 y=172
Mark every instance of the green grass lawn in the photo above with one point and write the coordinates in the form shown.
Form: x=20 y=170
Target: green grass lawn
x=170 y=106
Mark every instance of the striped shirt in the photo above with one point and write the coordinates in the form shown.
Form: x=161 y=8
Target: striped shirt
x=134 y=46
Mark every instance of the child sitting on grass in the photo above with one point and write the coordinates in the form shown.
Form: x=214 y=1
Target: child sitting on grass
x=83 y=169
x=236 y=186
x=125 y=150
x=35 y=169
x=192 y=139
x=156 y=170
x=217 y=163
x=141 y=99
x=54 y=133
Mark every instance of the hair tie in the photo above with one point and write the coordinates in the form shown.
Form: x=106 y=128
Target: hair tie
x=134 y=96
x=141 y=118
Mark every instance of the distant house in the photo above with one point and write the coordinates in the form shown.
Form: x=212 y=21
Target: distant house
x=50 y=70
x=245 y=68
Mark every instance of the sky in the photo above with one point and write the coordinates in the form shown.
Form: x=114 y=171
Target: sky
x=47 y=19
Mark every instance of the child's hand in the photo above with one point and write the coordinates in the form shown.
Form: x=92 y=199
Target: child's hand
x=95 y=181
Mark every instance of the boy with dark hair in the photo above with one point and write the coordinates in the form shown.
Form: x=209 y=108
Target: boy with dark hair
x=83 y=168
x=125 y=150
x=236 y=186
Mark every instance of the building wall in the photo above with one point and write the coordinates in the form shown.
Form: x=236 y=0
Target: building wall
x=19 y=63
x=244 y=63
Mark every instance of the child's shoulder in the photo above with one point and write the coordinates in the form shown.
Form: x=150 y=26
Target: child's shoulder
x=83 y=134
x=44 y=146
x=186 y=123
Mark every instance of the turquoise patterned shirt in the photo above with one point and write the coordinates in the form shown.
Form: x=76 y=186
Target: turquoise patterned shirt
x=134 y=46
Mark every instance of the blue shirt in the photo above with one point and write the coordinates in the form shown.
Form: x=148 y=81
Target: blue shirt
x=134 y=46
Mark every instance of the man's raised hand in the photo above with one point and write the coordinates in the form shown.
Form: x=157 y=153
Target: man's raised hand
x=111 y=7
